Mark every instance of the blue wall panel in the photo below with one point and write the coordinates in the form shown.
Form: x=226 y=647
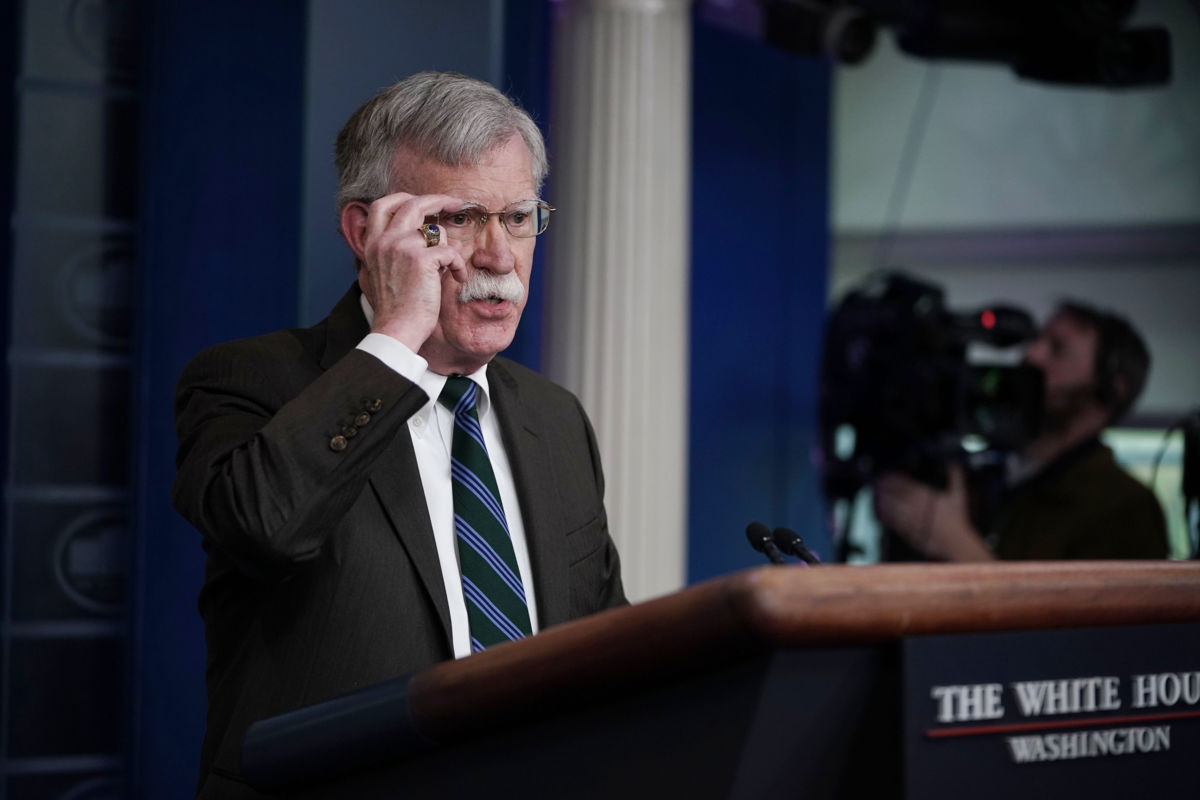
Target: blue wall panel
x=220 y=211
x=526 y=78
x=760 y=240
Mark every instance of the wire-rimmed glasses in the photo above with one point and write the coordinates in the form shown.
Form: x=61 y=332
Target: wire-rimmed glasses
x=523 y=219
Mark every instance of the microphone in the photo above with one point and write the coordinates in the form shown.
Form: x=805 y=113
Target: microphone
x=790 y=542
x=759 y=536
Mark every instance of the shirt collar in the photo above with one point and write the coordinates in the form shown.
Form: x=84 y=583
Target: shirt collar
x=432 y=382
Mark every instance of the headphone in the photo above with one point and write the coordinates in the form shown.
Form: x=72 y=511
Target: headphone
x=1108 y=366
x=1121 y=358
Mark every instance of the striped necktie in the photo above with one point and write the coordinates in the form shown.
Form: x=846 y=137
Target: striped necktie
x=496 y=606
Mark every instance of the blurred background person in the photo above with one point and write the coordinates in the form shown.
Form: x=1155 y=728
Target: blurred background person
x=1063 y=496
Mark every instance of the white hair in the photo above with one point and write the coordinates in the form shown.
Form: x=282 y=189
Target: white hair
x=444 y=116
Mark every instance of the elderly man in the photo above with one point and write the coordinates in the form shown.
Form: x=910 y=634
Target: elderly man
x=381 y=492
x=1065 y=498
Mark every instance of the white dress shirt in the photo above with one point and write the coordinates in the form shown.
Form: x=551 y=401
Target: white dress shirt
x=432 y=429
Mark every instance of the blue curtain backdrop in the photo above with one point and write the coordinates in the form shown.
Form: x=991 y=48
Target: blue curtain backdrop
x=760 y=241
x=220 y=237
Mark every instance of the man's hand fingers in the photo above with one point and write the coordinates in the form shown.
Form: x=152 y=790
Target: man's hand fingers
x=405 y=212
x=454 y=264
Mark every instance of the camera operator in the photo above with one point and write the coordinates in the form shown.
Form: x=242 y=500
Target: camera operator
x=1063 y=496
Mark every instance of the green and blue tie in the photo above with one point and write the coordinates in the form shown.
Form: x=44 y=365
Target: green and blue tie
x=496 y=606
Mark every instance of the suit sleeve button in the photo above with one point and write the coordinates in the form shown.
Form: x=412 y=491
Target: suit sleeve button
x=362 y=419
x=375 y=404
x=337 y=444
x=349 y=431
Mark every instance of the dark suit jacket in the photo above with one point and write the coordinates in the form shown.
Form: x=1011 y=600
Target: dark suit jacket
x=322 y=575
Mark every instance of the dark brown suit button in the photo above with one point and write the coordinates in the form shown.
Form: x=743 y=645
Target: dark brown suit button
x=349 y=431
x=362 y=419
x=337 y=444
x=375 y=405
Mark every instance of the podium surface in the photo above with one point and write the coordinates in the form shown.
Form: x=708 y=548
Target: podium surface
x=778 y=681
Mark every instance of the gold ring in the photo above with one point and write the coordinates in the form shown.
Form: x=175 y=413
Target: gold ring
x=432 y=234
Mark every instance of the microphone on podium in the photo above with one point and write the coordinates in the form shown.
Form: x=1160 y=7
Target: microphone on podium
x=759 y=536
x=789 y=541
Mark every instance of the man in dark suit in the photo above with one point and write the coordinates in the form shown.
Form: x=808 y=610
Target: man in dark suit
x=317 y=463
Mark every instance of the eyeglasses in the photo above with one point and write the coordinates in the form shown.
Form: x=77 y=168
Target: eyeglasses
x=523 y=219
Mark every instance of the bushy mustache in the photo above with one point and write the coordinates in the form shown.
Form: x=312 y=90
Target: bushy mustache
x=482 y=285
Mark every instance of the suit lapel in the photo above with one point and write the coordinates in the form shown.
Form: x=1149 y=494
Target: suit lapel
x=537 y=491
x=396 y=479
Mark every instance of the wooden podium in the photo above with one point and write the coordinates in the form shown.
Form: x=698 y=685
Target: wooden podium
x=773 y=682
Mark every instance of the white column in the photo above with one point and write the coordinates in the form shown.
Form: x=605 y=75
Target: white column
x=617 y=279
